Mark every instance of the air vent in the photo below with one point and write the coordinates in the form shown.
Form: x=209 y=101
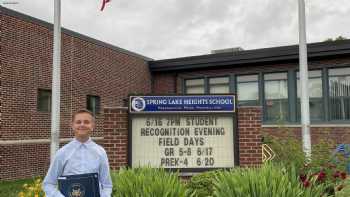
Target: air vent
x=228 y=50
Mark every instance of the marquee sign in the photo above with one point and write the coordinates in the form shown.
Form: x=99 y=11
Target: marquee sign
x=174 y=132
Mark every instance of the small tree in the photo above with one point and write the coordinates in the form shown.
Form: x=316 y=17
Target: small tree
x=335 y=39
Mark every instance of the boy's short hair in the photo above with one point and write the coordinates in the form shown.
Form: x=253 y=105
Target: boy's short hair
x=82 y=111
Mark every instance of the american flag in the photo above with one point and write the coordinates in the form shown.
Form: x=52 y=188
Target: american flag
x=104 y=4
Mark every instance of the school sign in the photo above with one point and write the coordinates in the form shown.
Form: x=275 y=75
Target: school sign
x=189 y=133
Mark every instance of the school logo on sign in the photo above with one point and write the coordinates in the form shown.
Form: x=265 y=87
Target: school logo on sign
x=138 y=104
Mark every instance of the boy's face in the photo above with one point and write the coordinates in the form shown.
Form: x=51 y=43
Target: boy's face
x=83 y=125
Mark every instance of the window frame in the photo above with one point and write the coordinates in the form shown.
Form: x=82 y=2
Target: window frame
x=97 y=110
x=206 y=83
x=258 y=86
x=43 y=90
x=218 y=84
x=185 y=87
x=291 y=92
x=298 y=119
x=288 y=113
x=328 y=97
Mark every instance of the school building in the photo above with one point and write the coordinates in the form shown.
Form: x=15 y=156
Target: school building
x=100 y=77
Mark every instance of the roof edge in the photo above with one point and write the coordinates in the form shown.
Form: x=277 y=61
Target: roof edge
x=310 y=48
x=279 y=53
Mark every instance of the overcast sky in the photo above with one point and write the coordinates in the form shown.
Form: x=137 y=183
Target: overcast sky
x=162 y=29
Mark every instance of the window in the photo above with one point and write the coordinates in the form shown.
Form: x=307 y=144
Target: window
x=276 y=97
x=339 y=93
x=219 y=85
x=194 y=86
x=315 y=96
x=248 y=90
x=44 y=100
x=93 y=104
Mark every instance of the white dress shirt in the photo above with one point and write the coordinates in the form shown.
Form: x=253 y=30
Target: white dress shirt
x=79 y=158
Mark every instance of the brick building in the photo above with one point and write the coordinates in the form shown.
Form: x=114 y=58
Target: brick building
x=99 y=76
x=94 y=74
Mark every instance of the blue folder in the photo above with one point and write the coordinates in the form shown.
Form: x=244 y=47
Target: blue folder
x=80 y=185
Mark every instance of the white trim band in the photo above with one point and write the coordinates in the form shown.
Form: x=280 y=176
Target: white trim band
x=39 y=141
x=312 y=126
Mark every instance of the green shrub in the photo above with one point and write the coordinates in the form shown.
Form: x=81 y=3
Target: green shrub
x=12 y=188
x=146 y=182
x=269 y=180
x=201 y=185
x=343 y=190
x=33 y=189
x=287 y=148
x=324 y=167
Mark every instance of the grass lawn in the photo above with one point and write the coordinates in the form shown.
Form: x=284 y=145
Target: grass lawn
x=12 y=188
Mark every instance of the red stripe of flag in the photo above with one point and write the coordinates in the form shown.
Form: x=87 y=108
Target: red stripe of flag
x=104 y=4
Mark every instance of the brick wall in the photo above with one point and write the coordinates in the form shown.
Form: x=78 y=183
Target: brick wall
x=23 y=160
x=165 y=83
x=1 y=60
x=115 y=139
x=336 y=134
x=249 y=127
x=26 y=160
x=88 y=67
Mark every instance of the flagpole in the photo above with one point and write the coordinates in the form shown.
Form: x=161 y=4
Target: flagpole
x=56 y=83
x=303 y=70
